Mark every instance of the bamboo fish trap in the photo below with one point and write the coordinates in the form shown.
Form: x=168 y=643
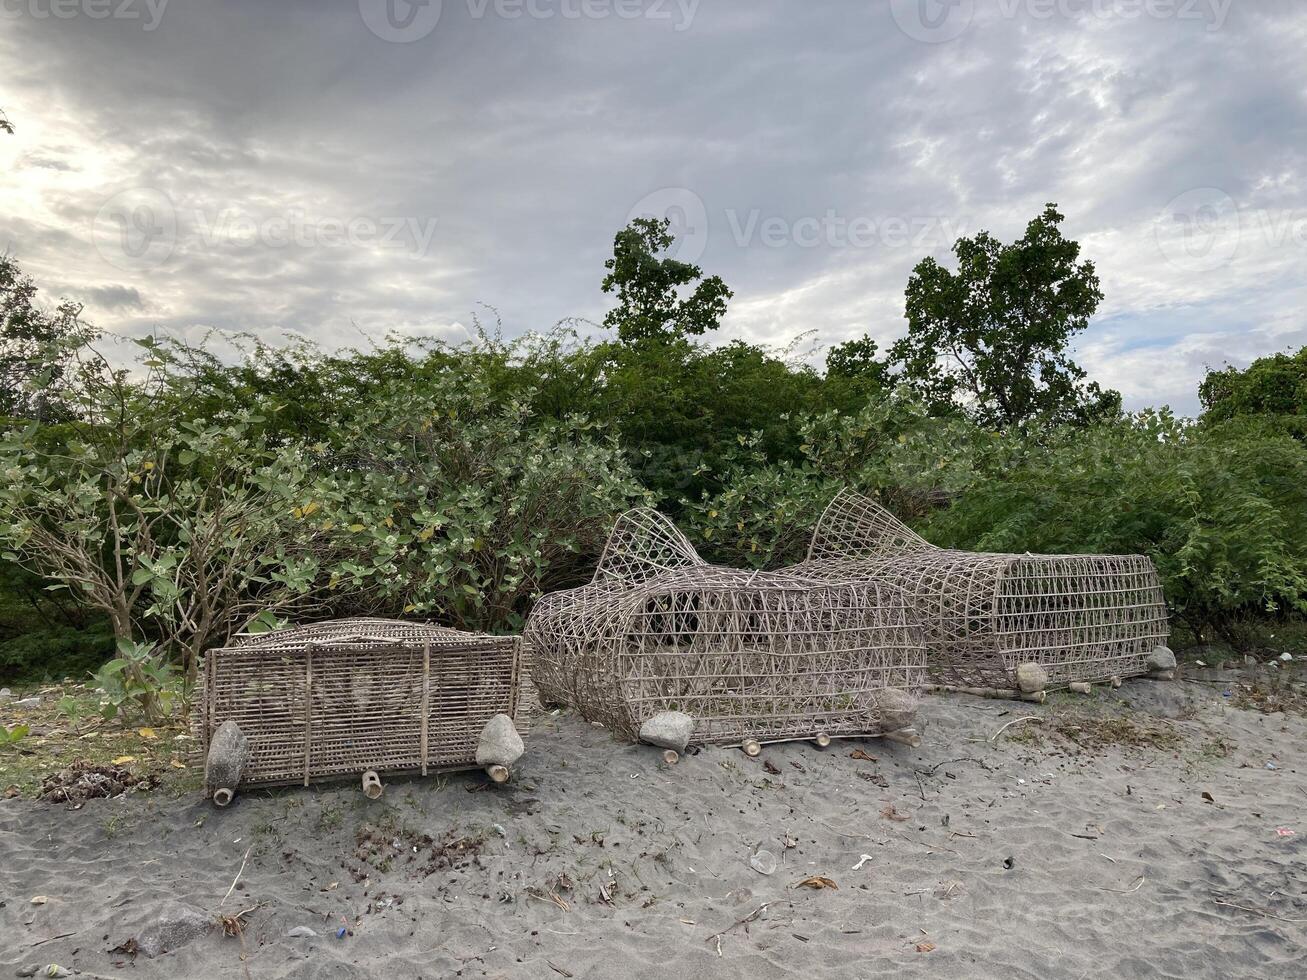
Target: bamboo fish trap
x=1003 y=624
x=743 y=657
x=357 y=696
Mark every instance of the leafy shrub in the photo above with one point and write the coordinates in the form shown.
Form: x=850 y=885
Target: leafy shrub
x=891 y=448
x=139 y=683
x=1218 y=508
x=442 y=503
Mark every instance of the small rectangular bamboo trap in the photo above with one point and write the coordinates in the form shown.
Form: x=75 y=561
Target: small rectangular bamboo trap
x=356 y=698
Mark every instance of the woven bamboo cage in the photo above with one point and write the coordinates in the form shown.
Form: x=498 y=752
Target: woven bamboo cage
x=345 y=697
x=750 y=656
x=1081 y=618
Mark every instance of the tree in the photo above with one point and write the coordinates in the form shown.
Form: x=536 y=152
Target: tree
x=179 y=530
x=37 y=348
x=993 y=336
x=648 y=286
x=1274 y=385
x=5 y=124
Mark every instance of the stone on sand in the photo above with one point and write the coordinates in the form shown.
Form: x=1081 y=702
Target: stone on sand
x=173 y=928
x=897 y=709
x=500 y=744
x=668 y=730
x=1031 y=678
x=229 y=753
x=1161 y=659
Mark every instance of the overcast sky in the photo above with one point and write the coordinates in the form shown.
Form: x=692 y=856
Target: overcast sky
x=346 y=167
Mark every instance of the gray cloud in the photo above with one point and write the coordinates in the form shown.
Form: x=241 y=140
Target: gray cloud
x=114 y=298
x=280 y=167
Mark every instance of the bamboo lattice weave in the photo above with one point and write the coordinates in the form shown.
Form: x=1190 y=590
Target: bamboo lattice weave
x=335 y=699
x=1081 y=617
x=747 y=654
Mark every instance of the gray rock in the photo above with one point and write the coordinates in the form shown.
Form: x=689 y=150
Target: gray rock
x=1030 y=678
x=229 y=753
x=897 y=709
x=301 y=932
x=44 y=969
x=1161 y=659
x=763 y=862
x=668 y=730
x=175 y=926
x=32 y=702
x=5 y=694
x=500 y=744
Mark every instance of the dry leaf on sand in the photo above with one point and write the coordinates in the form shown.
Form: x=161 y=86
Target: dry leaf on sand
x=817 y=882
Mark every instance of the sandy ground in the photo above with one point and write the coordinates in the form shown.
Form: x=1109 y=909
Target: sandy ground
x=1083 y=845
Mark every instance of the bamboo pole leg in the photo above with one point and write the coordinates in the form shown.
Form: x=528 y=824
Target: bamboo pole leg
x=905 y=737
x=372 y=787
x=499 y=774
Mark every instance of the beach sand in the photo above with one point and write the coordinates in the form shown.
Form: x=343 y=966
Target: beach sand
x=1080 y=845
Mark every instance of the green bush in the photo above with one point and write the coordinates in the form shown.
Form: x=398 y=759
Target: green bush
x=1218 y=508
x=442 y=503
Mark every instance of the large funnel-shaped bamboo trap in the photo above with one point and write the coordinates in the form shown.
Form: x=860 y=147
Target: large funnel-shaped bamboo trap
x=999 y=623
x=667 y=648
x=357 y=698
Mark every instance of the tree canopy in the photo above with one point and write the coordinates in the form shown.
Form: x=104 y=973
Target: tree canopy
x=993 y=336
x=648 y=284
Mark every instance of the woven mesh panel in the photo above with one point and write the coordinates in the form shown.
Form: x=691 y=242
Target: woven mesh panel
x=1082 y=617
x=747 y=654
x=338 y=698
